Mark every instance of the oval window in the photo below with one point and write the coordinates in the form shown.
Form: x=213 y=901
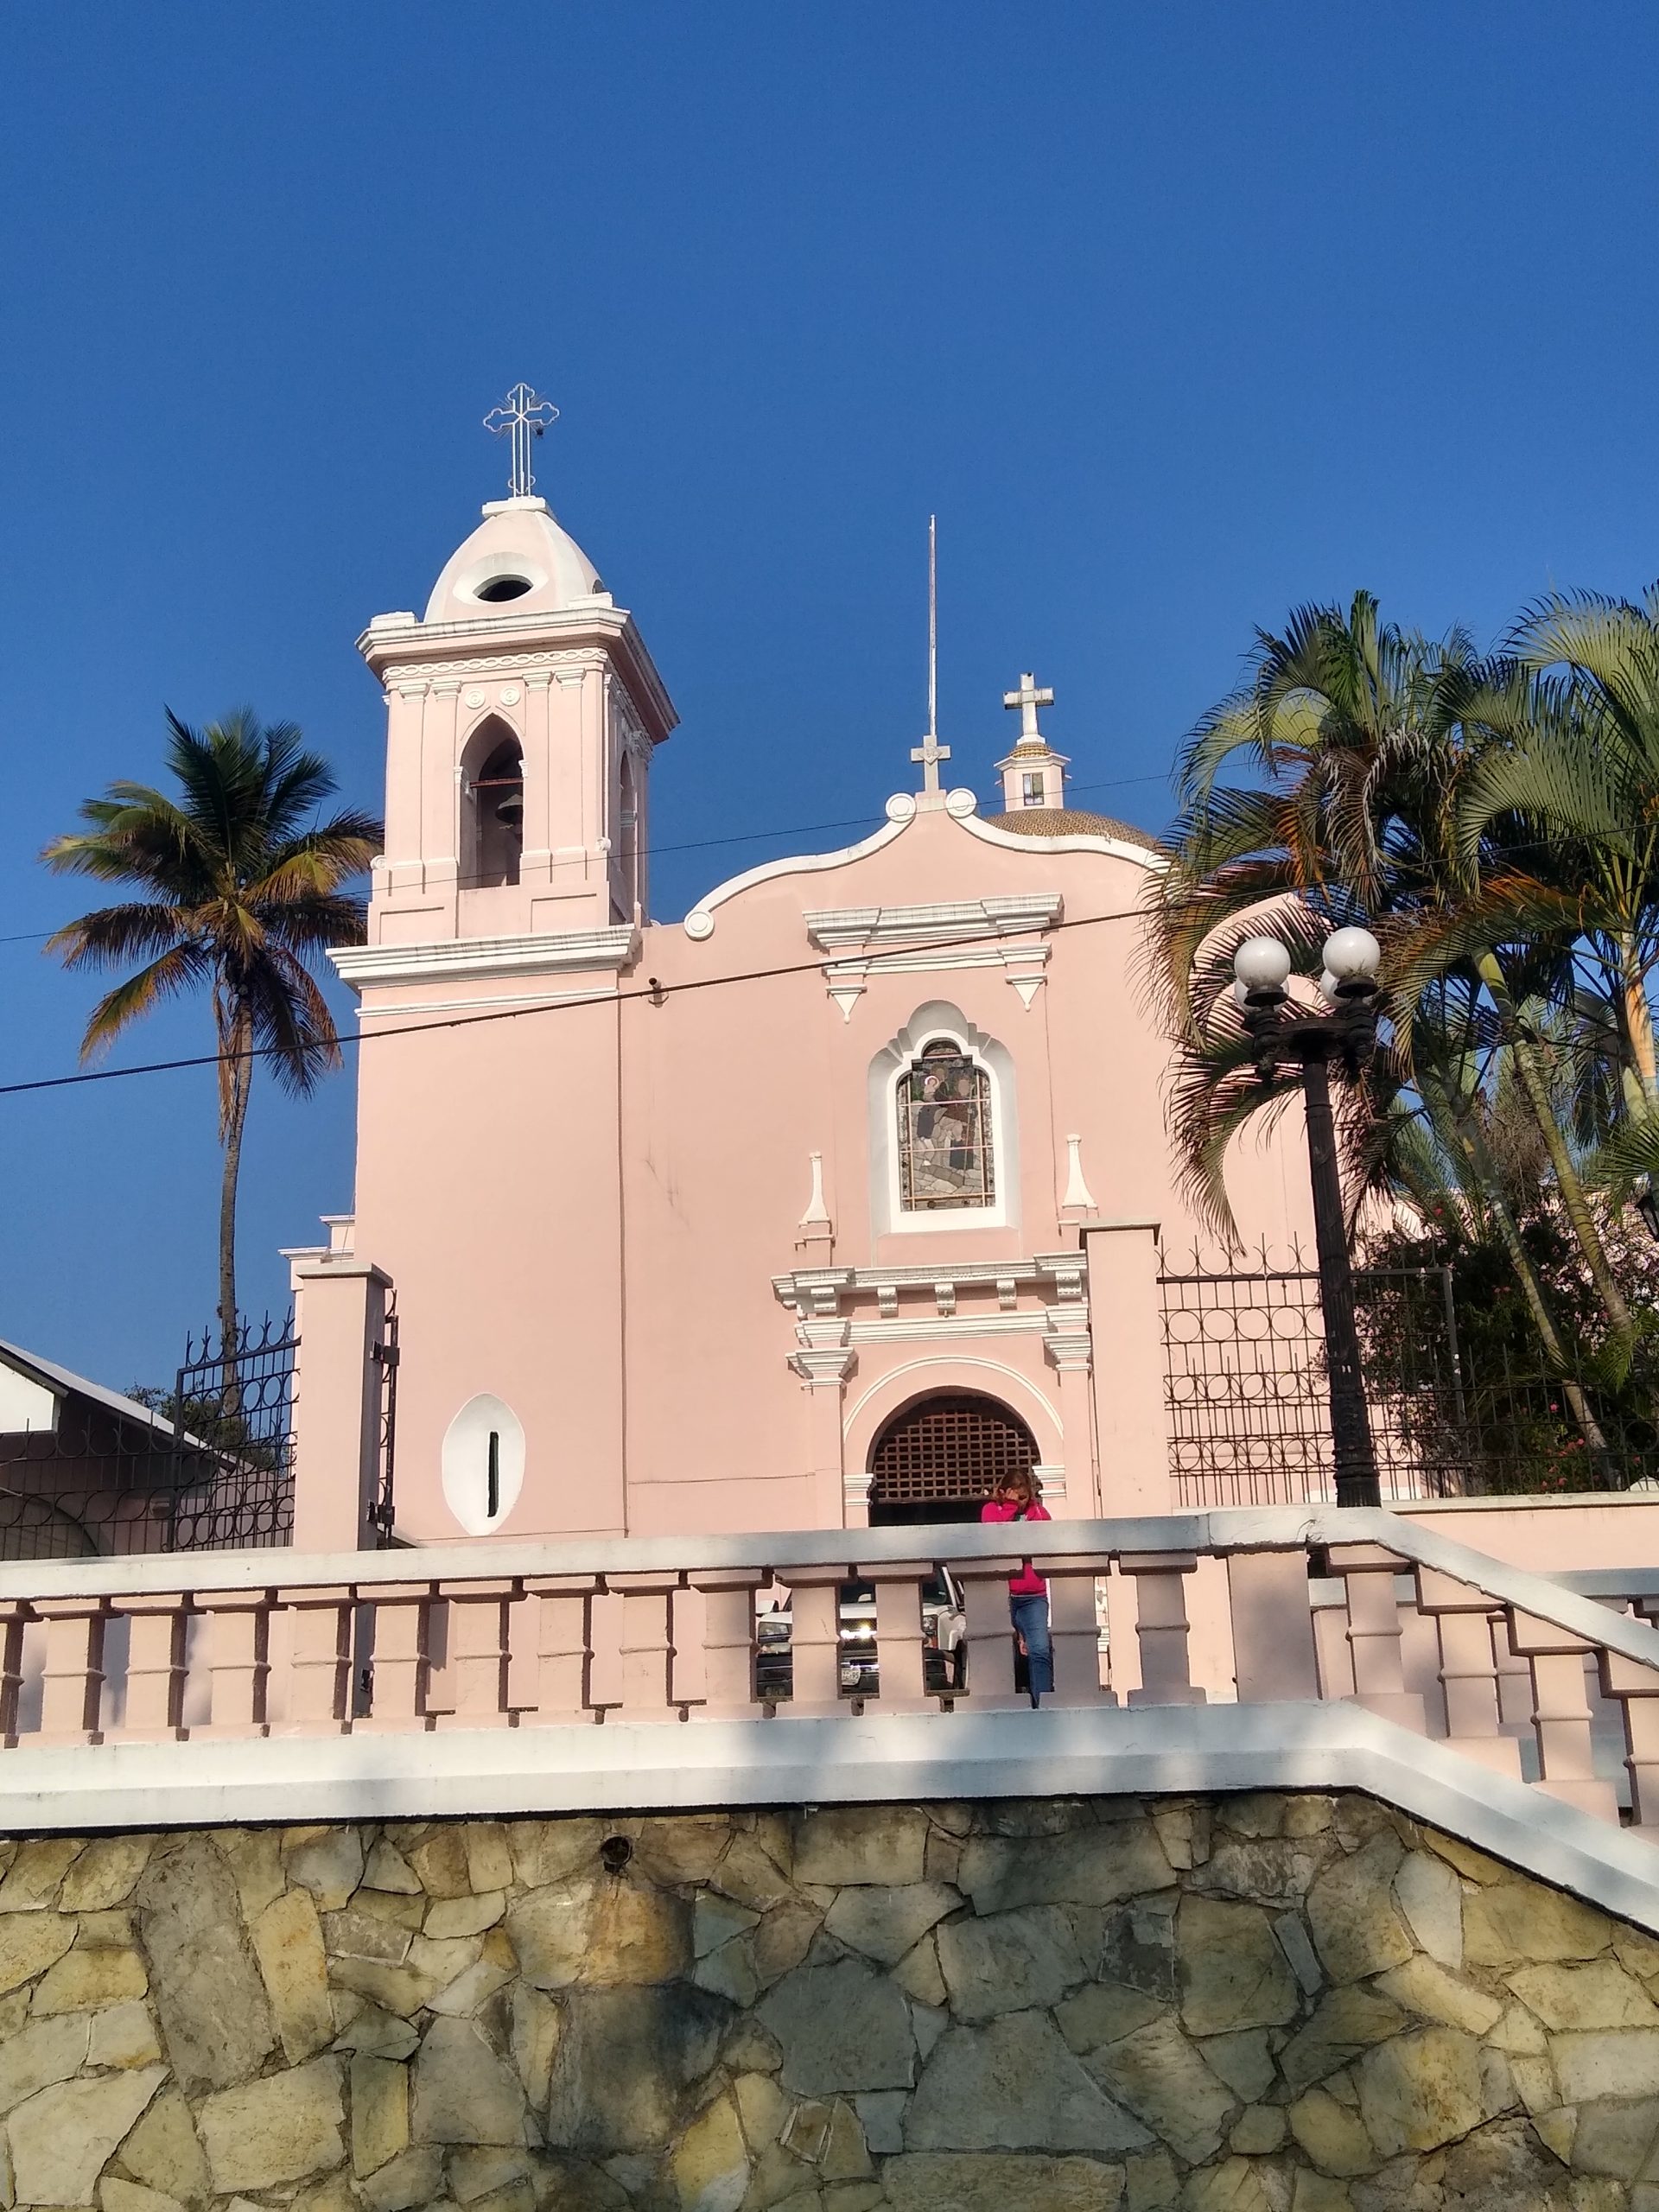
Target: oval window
x=483 y=1464
x=500 y=588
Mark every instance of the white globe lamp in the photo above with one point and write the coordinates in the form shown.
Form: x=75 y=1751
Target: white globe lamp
x=1353 y=955
x=1262 y=965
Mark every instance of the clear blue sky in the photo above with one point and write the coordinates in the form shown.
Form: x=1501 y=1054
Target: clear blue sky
x=1177 y=315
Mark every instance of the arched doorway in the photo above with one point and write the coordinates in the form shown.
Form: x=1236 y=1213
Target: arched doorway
x=940 y=1458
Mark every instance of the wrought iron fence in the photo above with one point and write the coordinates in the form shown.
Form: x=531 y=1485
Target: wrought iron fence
x=383 y=1512
x=208 y=1466
x=1249 y=1403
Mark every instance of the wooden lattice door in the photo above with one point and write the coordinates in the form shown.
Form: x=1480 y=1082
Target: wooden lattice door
x=945 y=1452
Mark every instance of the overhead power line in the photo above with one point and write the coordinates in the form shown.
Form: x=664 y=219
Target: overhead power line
x=657 y=993
x=703 y=844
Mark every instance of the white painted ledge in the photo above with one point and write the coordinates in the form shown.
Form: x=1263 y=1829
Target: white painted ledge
x=1106 y=1751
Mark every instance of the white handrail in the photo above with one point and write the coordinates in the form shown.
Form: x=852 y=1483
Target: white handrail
x=1218 y=1533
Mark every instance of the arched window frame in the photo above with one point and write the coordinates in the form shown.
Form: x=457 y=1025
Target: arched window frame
x=932 y=1024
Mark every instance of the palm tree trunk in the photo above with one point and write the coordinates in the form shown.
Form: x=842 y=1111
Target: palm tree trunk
x=1638 y=1018
x=1485 y=1168
x=238 y=1082
x=1575 y=1204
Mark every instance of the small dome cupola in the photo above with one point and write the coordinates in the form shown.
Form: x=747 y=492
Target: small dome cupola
x=517 y=561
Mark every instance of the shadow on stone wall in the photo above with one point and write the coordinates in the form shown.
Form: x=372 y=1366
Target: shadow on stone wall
x=1254 y=2003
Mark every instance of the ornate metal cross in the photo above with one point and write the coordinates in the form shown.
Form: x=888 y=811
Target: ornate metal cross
x=521 y=416
x=1028 y=698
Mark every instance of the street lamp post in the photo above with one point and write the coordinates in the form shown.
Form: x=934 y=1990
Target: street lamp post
x=1345 y=1038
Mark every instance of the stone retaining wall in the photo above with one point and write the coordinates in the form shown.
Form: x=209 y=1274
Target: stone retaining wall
x=1261 y=2004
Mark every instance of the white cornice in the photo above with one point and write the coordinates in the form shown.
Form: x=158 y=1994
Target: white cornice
x=849 y=929
x=407 y=652
x=562 y=952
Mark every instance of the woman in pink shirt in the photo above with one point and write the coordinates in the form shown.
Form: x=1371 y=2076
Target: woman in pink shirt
x=1016 y=1499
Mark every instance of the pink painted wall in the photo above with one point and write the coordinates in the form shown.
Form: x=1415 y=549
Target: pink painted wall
x=583 y=1209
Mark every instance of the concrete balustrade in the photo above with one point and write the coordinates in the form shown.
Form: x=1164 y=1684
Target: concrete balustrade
x=1327 y=1607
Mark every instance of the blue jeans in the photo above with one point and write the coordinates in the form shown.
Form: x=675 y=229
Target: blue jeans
x=1030 y=1615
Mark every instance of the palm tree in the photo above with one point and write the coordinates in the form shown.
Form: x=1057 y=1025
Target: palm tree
x=1355 y=730
x=1573 y=718
x=1338 y=718
x=240 y=886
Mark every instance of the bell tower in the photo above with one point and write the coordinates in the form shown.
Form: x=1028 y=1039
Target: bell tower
x=523 y=710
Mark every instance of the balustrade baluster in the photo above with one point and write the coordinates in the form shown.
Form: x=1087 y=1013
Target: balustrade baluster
x=475 y=1678
x=238 y=1665
x=728 y=1641
x=1161 y=1626
x=990 y=1632
x=156 y=1666
x=1272 y=1628
x=1464 y=1617
x=14 y=1617
x=1560 y=1714
x=1074 y=1627
x=815 y=1640
x=1636 y=1688
x=646 y=1644
x=320 y=1660
x=1368 y=1572
x=551 y=1643
x=899 y=1634
x=400 y=1626
x=72 y=1687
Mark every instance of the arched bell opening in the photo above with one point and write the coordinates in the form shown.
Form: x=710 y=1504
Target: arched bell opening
x=627 y=809
x=941 y=1457
x=493 y=807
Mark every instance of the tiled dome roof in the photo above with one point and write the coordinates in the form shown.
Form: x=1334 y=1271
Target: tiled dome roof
x=1071 y=822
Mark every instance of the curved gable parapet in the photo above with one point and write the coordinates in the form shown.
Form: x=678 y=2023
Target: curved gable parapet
x=1079 y=842
x=700 y=922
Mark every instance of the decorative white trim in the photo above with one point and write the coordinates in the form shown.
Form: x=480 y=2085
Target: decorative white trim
x=559 y=952
x=819 y=1290
x=934 y=939
x=949 y=1327
x=1015 y=1385
x=700 y=922
x=938 y=1019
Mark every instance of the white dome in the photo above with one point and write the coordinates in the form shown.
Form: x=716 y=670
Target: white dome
x=517 y=562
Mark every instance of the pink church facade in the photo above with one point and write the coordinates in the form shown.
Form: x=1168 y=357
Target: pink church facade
x=690 y=1223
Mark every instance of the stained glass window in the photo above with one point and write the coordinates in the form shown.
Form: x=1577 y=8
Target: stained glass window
x=945 y=1131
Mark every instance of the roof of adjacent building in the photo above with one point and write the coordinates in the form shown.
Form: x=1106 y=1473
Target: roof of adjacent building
x=1072 y=821
x=51 y=1376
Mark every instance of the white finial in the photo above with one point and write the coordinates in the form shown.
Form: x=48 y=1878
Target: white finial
x=1078 y=1197
x=521 y=416
x=1028 y=698
x=930 y=751
x=817 y=1214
